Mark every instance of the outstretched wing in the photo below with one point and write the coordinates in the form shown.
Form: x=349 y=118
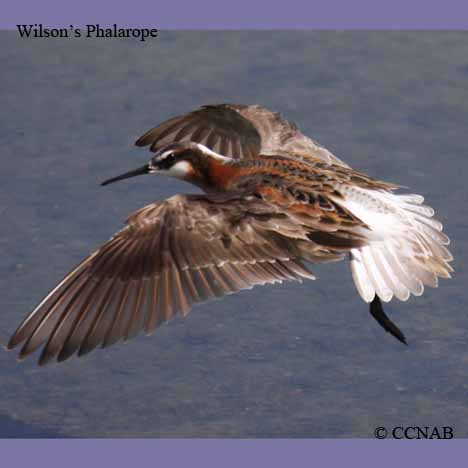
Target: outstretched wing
x=170 y=256
x=239 y=132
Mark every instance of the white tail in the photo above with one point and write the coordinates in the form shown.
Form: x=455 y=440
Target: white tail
x=406 y=245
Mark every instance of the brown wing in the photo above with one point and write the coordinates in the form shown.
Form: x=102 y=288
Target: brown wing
x=170 y=256
x=316 y=208
x=221 y=128
x=237 y=131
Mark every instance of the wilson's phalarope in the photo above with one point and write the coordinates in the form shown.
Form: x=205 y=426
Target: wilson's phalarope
x=273 y=199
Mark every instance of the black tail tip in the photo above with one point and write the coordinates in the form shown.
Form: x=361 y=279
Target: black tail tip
x=376 y=310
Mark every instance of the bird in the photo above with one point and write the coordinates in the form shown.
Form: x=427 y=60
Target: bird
x=272 y=202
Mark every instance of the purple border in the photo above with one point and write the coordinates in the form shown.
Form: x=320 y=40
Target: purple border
x=231 y=453
x=236 y=14
x=241 y=14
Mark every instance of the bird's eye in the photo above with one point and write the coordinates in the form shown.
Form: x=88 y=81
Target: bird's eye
x=166 y=161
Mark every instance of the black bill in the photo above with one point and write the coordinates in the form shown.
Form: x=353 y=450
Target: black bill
x=140 y=171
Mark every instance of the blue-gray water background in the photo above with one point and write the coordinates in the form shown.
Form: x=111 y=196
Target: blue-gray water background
x=297 y=360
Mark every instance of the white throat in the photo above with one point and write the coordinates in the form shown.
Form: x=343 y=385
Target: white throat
x=179 y=169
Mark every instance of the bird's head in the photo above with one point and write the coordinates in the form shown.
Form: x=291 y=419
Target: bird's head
x=187 y=161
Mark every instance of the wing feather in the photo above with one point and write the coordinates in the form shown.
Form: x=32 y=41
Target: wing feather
x=238 y=131
x=170 y=256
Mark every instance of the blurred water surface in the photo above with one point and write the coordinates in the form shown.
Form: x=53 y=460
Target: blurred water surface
x=297 y=360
